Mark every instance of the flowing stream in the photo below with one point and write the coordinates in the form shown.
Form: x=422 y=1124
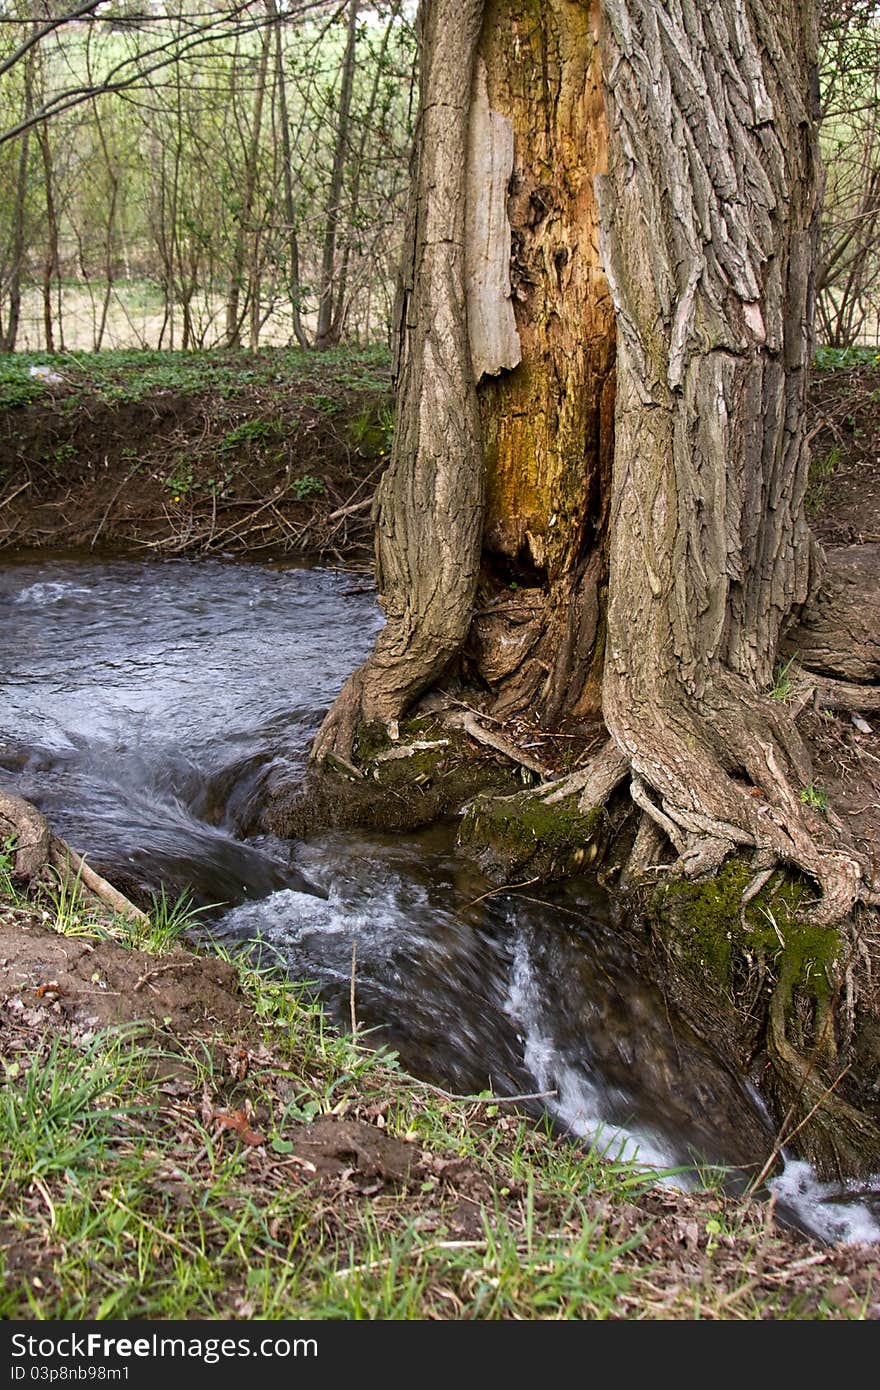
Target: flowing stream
x=149 y=708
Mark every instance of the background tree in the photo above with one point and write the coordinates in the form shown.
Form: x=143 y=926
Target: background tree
x=190 y=175
x=848 y=300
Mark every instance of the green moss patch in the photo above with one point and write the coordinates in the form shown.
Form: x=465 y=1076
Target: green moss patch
x=521 y=836
x=427 y=773
x=713 y=933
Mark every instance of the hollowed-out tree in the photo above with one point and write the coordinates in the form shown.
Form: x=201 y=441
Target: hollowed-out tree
x=595 y=503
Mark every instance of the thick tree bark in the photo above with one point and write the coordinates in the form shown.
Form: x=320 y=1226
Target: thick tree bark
x=706 y=222
x=531 y=72
x=709 y=215
x=429 y=507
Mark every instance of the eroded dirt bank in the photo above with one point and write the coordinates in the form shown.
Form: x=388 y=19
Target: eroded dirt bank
x=274 y=456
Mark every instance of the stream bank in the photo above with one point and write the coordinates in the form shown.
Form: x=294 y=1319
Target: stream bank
x=271 y=455
x=174 y=538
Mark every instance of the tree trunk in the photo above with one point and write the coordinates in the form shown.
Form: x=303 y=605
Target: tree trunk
x=323 y=334
x=709 y=224
x=18 y=245
x=708 y=185
x=50 y=254
x=245 y=233
x=548 y=424
x=706 y=228
x=429 y=505
x=294 y=284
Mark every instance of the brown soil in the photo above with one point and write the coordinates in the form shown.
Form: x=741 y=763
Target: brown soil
x=93 y=984
x=844 y=505
x=844 y=495
x=260 y=472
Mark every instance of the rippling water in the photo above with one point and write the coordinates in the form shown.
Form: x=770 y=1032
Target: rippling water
x=149 y=708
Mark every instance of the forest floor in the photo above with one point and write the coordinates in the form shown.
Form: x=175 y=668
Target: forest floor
x=181 y=1136
x=200 y=453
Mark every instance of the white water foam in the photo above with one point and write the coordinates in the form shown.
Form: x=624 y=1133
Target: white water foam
x=578 y=1102
x=825 y=1208
x=52 y=591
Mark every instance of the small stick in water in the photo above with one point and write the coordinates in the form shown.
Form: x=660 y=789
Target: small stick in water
x=354 y=947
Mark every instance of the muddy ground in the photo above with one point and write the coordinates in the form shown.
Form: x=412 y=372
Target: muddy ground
x=269 y=472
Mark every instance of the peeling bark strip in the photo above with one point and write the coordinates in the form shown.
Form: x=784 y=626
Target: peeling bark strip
x=709 y=216
x=494 y=341
x=429 y=509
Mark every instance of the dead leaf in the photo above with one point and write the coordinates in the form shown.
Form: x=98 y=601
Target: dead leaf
x=237 y=1121
x=51 y=987
x=206 y=1110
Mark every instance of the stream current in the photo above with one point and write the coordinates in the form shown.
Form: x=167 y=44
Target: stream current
x=150 y=708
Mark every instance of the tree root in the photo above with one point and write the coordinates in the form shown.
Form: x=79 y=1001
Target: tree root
x=835 y=694
x=839 y=1140
x=594 y=783
x=466 y=720
x=681 y=777
x=38 y=853
x=73 y=869
x=31 y=833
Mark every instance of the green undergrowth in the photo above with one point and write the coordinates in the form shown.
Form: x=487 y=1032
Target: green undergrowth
x=320 y=379
x=831 y=359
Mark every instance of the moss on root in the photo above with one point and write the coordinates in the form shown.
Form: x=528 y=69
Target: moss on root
x=768 y=982
x=520 y=835
x=715 y=933
x=426 y=773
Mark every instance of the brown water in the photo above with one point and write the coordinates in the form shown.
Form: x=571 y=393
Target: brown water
x=150 y=708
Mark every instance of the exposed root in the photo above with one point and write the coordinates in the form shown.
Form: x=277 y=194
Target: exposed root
x=829 y=1128
x=38 y=852
x=834 y=694
x=29 y=830
x=681 y=779
x=645 y=855
x=762 y=877
x=72 y=868
x=595 y=782
x=665 y=823
x=462 y=719
x=337 y=734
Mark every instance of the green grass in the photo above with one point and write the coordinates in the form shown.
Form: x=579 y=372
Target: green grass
x=98 y=1170
x=132 y=375
x=123 y=1197
x=59 y=1113
x=783 y=680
